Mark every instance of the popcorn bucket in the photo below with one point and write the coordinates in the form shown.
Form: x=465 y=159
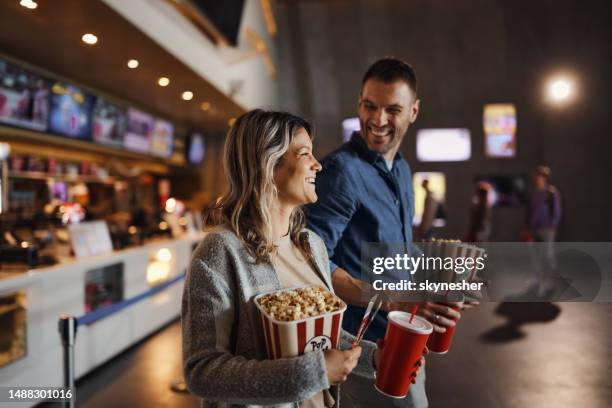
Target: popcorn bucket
x=296 y=337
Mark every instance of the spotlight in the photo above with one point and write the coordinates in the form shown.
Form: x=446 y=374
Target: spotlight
x=133 y=63
x=560 y=90
x=89 y=38
x=163 y=81
x=187 y=95
x=29 y=4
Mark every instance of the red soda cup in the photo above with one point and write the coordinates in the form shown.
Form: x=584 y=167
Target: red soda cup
x=440 y=343
x=402 y=350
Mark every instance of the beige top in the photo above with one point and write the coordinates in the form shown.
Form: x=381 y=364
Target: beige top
x=293 y=270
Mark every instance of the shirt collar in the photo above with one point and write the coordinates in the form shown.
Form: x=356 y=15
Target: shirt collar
x=364 y=151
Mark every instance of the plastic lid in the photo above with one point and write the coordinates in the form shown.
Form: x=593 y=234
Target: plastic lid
x=418 y=325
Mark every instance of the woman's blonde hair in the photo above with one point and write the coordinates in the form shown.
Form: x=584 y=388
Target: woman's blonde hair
x=254 y=147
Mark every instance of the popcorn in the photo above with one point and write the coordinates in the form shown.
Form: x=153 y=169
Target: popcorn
x=300 y=303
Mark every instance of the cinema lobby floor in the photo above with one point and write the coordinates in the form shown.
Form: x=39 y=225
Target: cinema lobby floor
x=504 y=356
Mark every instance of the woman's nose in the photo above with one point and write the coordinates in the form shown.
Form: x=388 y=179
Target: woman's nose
x=316 y=166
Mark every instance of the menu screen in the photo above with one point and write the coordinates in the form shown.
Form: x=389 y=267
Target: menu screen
x=70 y=113
x=139 y=130
x=24 y=98
x=109 y=123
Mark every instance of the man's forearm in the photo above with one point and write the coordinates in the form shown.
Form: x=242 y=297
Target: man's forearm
x=353 y=291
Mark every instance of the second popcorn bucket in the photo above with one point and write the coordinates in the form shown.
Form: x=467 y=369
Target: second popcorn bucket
x=317 y=328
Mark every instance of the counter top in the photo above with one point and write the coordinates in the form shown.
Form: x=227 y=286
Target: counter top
x=14 y=280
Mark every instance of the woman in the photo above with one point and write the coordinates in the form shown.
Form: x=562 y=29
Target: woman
x=259 y=244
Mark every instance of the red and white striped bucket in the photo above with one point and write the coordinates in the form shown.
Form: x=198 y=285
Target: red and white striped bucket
x=294 y=338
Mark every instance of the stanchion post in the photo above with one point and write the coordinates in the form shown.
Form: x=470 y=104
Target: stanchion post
x=67 y=328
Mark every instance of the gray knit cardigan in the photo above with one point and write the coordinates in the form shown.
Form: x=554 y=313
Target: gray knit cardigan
x=224 y=355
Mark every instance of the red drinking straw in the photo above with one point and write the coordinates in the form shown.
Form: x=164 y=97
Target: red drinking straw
x=415 y=307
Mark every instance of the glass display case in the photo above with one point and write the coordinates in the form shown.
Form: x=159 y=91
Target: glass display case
x=13 y=328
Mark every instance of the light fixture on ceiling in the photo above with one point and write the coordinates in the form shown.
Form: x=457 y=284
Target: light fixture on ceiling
x=560 y=89
x=29 y=4
x=163 y=81
x=89 y=38
x=187 y=95
x=205 y=106
x=133 y=63
x=231 y=121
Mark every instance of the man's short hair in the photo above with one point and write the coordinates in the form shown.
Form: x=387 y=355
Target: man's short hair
x=389 y=70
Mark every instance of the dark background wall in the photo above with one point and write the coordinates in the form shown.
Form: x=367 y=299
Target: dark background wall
x=468 y=53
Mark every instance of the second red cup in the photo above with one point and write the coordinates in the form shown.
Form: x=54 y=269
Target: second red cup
x=440 y=343
x=402 y=349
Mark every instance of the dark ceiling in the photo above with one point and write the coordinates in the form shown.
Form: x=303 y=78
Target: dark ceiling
x=49 y=37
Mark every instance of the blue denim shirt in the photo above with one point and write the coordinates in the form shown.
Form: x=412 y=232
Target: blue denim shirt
x=361 y=201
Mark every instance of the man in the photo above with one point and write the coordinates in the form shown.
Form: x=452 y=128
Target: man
x=545 y=207
x=544 y=217
x=365 y=195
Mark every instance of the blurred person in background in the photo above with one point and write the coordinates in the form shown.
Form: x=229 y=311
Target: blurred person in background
x=543 y=219
x=430 y=209
x=480 y=214
x=544 y=207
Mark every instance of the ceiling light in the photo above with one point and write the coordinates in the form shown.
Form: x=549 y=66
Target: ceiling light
x=133 y=63
x=163 y=81
x=205 y=106
x=560 y=89
x=231 y=121
x=29 y=4
x=187 y=95
x=89 y=38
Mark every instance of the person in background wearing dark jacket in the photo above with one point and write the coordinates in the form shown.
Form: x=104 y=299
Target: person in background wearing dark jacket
x=543 y=219
x=545 y=207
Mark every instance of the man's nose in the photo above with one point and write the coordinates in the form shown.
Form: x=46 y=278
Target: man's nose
x=380 y=118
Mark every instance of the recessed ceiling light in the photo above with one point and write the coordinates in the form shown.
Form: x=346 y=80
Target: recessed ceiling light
x=133 y=63
x=187 y=95
x=29 y=4
x=89 y=38
x=163 y=81
x=231 y=121
x=205 y=106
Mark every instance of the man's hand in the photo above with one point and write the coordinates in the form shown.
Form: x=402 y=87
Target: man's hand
x=470 y=304
x=440 y=315
x=339 y=364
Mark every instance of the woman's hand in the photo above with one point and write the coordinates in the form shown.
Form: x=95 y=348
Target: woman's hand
x=340 y=363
